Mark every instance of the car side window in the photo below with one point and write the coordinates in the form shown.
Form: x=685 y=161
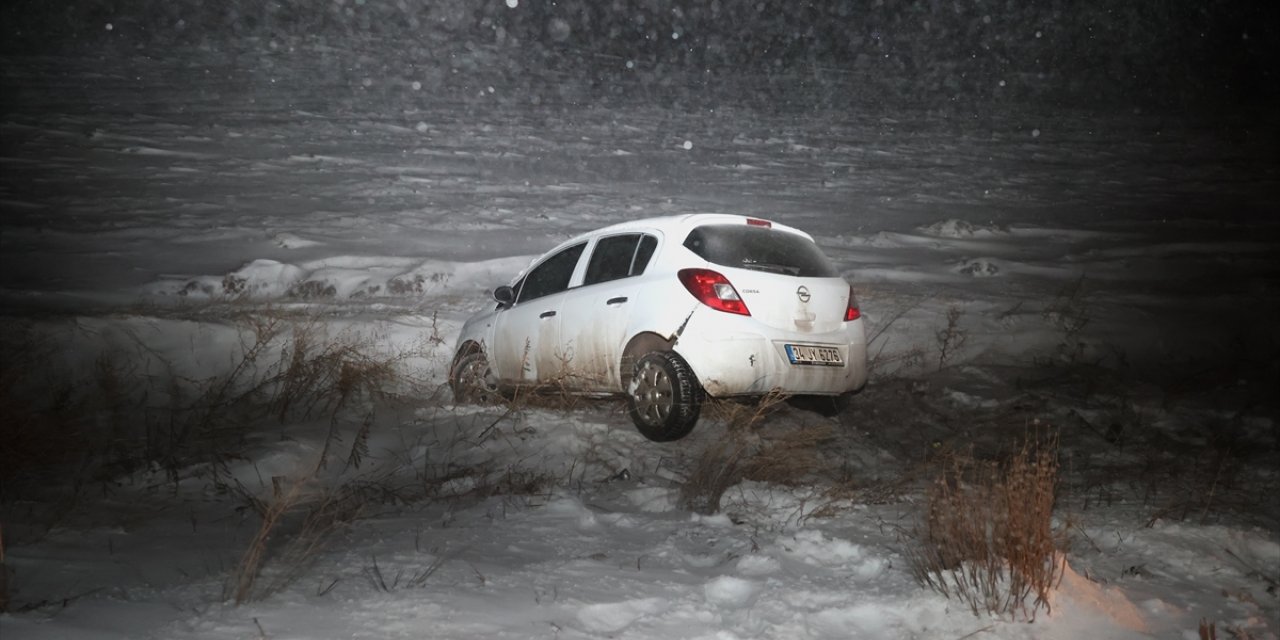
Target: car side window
x=617 y=257
x=643 y=253
x=611 y=259
x=552 y=276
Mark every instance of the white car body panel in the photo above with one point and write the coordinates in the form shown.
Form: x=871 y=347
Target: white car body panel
x=525 y=339
x=596 y=327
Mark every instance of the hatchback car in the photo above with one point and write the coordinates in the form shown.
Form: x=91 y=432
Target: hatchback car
x=668 y=311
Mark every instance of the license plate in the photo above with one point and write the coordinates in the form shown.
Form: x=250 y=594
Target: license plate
x=807 y=354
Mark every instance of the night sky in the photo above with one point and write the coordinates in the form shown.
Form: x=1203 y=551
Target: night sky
x=1175 y=54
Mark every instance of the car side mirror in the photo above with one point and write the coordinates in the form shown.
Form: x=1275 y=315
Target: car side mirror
x=505 y=295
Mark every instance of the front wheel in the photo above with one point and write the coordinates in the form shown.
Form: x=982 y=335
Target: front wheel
x=664 y=397
x=472 y=381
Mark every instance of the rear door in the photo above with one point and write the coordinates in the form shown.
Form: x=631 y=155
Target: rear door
x=527 y=346
x=595 y=317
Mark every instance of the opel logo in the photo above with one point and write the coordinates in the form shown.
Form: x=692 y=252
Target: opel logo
x=803 y=294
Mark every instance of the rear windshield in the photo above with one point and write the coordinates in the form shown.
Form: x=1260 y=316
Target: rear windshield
x=760 y=249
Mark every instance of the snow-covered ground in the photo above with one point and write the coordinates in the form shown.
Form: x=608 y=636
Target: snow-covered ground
x=1109 y=276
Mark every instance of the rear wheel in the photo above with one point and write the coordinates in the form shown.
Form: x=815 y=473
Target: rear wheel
x=472 y=381
x=664 y=396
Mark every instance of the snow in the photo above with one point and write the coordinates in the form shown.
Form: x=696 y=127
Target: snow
x=1107 y=273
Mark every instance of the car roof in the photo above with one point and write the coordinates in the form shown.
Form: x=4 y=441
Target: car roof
x=678 y=225
x=674 y=226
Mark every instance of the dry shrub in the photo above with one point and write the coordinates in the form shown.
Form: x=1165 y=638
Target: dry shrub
x=741 y=415
x=557 y=394
x=1208 y=630
x=293 y=369
x=300 y=517
x=882 y=363
x=742 y=454
x=718 y=468
x=790 y=457
x=951 y=339
x=122 y=416
x=322 y=374
x=413 y=580
x=326 y=512
x=256 y=552
x=132 y=410
x=287 y=369
x=479 y=480
x=989 y=539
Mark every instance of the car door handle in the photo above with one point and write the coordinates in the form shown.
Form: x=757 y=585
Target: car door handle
x=617 y=300
x=546 y=314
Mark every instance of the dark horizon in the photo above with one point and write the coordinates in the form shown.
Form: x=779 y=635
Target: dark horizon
x=1177 y=55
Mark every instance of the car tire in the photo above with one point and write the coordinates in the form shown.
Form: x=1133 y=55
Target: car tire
x=472 y=381
x=664 y=397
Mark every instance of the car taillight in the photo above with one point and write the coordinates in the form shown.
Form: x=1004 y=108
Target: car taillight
x=757 y=222
x=713 y=290
x=851 y=312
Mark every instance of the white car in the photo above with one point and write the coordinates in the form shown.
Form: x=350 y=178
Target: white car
x=668 y=311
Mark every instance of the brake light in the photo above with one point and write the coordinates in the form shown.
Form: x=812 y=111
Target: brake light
x=713 y=290
x=851 y=311
x=757 y=222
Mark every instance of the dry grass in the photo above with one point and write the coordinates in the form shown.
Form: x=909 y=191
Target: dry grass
x=882 y=363
x=1069 y=312
x=124 y=416
x=989 y=539
x=132 y=411
x=296 y=544
x=302 y=516
x=717 y=468
x=255 y=552
x=951 y=338
x=743 y=454
x=401 y=580
x=790 y=457
x=479 y=480
x=321 y=374
x=1208 y=630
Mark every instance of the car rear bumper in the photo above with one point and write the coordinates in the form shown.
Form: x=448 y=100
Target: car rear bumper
x=747 y=359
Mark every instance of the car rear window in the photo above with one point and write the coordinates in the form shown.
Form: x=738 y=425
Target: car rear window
x=760 y=249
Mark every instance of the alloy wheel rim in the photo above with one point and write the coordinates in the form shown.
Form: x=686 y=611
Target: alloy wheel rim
x=652 y=394
x=475 y=381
